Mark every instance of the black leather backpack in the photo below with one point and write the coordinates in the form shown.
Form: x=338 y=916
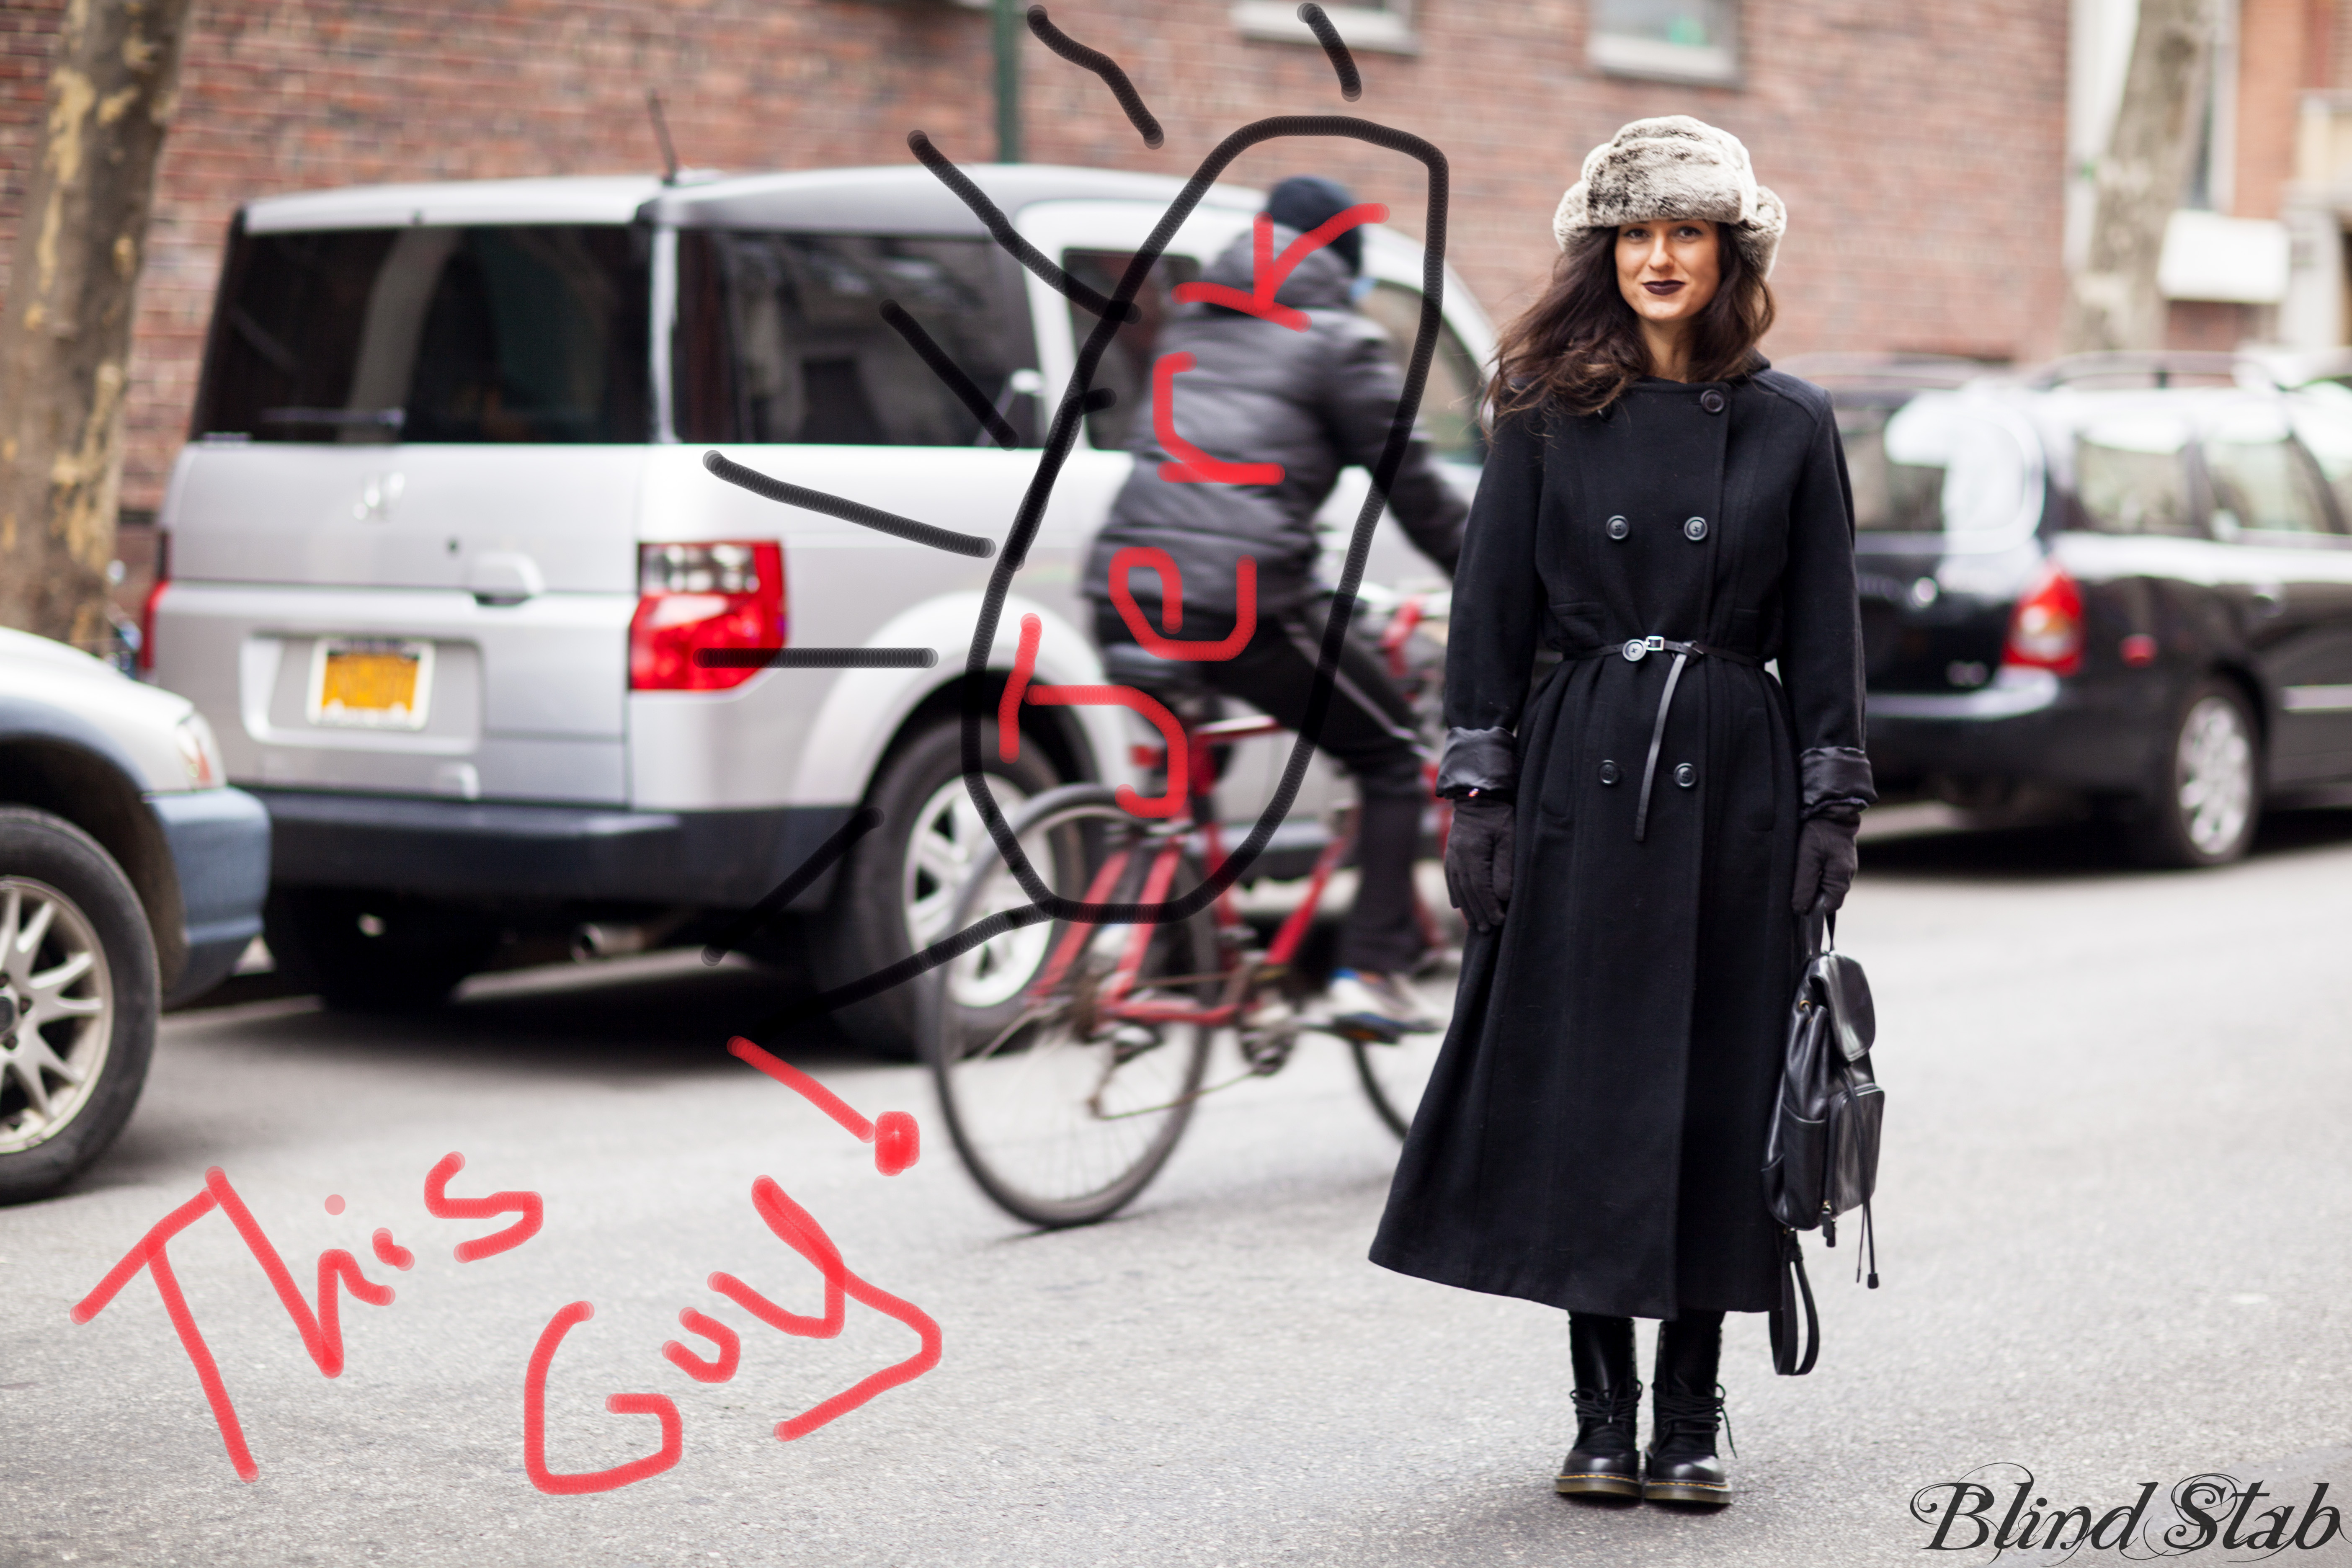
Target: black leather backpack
x=1820 y=1158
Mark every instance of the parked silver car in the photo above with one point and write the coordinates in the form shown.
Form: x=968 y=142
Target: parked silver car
x=130 y=878
x=443 y=548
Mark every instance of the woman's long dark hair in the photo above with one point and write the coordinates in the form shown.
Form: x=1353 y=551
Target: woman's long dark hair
x=1580 y=345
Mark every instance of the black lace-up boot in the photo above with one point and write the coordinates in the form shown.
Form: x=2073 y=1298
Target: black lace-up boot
x=1604 y=1462
x=1686 y=1406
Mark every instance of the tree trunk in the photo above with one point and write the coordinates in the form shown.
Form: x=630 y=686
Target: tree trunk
x=65 y=327
x=2113 y=303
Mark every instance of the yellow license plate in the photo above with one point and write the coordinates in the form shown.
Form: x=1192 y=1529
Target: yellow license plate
x=373 y=683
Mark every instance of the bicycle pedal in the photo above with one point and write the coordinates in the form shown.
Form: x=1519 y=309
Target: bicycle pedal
x=1268 y=1054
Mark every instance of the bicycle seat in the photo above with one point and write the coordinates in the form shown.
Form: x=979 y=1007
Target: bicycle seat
x=1171 y=681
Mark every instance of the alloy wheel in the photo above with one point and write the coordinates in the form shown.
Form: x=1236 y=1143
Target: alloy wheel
x=947 y=840
x=57 y=997
x=2214 y=769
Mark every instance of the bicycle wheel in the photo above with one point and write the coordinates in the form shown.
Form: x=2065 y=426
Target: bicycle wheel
x=1065 y=1113
x=1394 y=1074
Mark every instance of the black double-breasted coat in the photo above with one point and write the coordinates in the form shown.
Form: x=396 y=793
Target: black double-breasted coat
x=1592 y=1135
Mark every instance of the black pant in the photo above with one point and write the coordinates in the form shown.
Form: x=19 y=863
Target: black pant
x=1368 y=726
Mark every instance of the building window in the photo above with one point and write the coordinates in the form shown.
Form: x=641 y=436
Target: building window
x=1680 y=40
x=1365 y=24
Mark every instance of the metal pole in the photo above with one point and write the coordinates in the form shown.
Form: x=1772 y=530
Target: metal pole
x=1008 y=29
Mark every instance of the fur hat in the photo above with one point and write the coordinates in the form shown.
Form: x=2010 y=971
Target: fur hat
x=1674 y=167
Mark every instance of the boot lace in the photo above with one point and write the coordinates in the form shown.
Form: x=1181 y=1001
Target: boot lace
x=1683 y=1424
x=1611 y=1410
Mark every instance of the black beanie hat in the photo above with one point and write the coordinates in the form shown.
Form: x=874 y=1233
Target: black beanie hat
x=1305 y=202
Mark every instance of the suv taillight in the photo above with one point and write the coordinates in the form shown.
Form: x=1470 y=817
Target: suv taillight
x=145 y=658
x=693 y=598
x=2045 y=630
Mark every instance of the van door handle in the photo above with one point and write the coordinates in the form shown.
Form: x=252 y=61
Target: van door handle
x=504 y=577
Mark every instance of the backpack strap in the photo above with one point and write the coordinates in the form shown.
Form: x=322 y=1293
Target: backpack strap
x=1794 y=1287
x=1817 y=927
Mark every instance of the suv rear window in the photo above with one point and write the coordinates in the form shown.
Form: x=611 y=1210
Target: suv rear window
x=1125 y=369
x=780 y=338
x=2260 y=482
x=1935 y=465
x=520 y=333
x=1450 y=392
x=2323 y=418
x=2130 y=477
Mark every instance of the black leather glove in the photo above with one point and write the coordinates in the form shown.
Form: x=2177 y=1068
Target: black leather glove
x=1826 y=862
x=1478 y=861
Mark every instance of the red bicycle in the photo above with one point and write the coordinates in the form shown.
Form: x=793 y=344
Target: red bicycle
x=1069 y=1055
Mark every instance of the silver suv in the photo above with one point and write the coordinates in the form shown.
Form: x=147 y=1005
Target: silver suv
x=442 y=552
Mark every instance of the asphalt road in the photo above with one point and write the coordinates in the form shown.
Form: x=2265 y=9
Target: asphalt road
x=2114 y=1212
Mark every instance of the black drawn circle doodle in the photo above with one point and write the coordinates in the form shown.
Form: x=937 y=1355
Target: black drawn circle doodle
x=1047 y=905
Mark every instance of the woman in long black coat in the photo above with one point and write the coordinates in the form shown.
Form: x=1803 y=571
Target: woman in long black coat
x=1633 y=836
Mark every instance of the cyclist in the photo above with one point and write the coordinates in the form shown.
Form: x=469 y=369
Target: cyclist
x=1312 y=402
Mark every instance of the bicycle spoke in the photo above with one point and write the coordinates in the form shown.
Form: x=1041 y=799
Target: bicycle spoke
x=1064 y=1112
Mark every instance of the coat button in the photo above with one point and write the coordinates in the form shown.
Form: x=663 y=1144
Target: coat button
x=1619 y=527
x=1609 y=773
x=1711 y=400
x=1686 y=776
x=1695 y=530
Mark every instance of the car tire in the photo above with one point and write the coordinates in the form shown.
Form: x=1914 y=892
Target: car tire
x=2205 y=803
x=899 y=883
x=97 y=1024
x=375 y=952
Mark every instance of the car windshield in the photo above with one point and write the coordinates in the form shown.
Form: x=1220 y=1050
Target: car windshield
x=513 y=333
x=1938 y=464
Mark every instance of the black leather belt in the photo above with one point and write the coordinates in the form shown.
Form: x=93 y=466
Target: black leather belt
x=1635 y=649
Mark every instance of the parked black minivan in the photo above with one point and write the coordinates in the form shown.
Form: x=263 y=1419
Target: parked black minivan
x=2126 y=580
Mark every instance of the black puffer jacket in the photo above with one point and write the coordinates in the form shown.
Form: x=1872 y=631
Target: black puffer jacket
x=1314 y=402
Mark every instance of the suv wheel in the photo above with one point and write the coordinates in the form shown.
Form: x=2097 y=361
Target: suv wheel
x=2208 y=796
x=898 y=887
x=77 y=1002
x=375 y=952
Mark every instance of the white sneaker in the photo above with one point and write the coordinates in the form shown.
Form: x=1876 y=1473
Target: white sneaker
x=1373 y=1006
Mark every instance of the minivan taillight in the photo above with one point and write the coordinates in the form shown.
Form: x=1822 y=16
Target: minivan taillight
x=145 y=657
x=2045 y=630
x=693 y=598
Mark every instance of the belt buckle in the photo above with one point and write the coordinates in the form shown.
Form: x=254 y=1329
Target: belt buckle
x=1636 y=647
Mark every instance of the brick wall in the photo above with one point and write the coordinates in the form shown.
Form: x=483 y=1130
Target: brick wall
x=2274 y=67
x=27 y=36
x=1916 y=144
